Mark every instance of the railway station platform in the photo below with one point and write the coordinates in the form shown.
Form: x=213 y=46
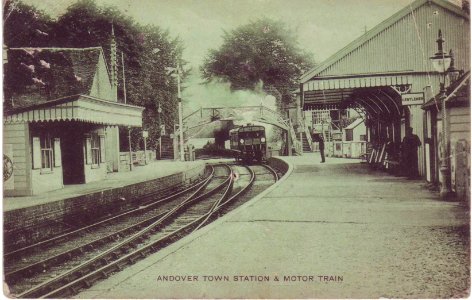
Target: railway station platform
x=153 y=170
x=333 y=230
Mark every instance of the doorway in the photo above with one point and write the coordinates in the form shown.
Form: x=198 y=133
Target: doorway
x=72 y=156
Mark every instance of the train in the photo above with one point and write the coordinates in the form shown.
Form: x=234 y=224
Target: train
x=249 y=143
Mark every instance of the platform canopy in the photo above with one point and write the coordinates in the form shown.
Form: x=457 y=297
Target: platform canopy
x=387 y=68
x=374 y=92
x=80 y=108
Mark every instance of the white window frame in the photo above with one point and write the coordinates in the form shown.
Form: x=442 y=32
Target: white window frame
x=43 y=153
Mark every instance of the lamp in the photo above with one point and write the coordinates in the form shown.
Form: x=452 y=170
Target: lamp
x=444 y=64
x=441 y=60
x=452 y=72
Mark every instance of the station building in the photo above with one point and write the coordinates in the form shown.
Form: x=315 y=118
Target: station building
x=386 y=74
x=458 y=126
x=61 y=118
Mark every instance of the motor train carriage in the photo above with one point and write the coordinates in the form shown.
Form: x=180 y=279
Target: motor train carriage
x=249 y=142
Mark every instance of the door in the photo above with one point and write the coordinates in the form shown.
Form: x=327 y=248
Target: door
x=73 y=158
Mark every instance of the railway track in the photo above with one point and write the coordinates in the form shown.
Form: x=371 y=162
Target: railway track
x=91 y=256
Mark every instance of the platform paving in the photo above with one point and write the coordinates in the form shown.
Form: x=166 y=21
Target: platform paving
x=366 y=233
x=153 y=170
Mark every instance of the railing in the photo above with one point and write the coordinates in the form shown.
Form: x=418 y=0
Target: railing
x=307 y=134
x=297 y=145
x=138 y=158
x=261 y=113
x=348 y=149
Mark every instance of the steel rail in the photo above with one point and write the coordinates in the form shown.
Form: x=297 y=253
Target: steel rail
x=217 y=203
x=80 y=272
x=107 y=220
x=242 y=191
x=230 y=199
x=273 y=171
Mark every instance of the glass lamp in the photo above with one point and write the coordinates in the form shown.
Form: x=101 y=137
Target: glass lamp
x=441 y=61
x=452 y=72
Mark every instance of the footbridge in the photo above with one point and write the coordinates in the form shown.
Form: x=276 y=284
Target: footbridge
x=200 y=121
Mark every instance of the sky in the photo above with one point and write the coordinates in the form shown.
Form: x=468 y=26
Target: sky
x=322 y=27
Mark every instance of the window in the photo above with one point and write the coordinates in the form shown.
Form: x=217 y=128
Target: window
x=320 y=116
x=43 y=152
x=95 y=149
x=46 y=151
x=363 y=137
x=95 y=146
x=349 y=135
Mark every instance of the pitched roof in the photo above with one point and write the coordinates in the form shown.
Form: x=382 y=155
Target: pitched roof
x=35 y=75
x=377 y=30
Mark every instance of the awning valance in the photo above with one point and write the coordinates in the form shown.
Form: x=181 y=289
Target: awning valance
x=356 y=81
x=78 y=108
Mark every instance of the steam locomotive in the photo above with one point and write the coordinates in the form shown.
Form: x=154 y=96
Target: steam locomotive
x=249 y=143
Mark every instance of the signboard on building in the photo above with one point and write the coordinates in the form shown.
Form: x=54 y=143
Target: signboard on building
x=413 y=99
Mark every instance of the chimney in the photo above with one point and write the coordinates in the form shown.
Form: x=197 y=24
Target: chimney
x=113 y=75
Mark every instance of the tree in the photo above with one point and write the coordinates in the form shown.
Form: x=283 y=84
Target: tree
x=147 y=51
x=263 y=50
x=25 y=26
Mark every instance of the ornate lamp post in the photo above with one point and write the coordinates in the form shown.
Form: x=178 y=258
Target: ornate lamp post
x=443 y=63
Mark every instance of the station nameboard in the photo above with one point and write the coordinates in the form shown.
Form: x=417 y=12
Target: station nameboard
x=413 y=99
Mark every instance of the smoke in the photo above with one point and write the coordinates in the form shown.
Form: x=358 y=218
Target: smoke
x=219 y=94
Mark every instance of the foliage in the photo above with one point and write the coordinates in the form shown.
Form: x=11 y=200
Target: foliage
x=25 y=26
x=147 y=51
x=263 y=50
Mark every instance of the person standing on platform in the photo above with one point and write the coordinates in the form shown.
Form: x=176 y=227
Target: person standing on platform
x=410 y=145
x=318 y=137
x=321 y=143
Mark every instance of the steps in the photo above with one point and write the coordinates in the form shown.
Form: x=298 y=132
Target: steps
x=306 y=145
x=167 y=147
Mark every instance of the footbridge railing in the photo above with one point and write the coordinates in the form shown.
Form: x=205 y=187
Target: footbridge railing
x=255 y=113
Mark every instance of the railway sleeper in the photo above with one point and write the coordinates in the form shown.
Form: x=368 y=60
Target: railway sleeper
x=118 y=267
x=132 y=259
x=78 y=274
x=87 y=283
x=73 y=290
x=104 y=274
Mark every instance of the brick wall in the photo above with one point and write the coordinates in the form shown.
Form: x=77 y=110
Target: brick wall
x=28 y=225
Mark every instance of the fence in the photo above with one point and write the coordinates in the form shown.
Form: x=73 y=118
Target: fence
x=347 y=149
x=138 y=158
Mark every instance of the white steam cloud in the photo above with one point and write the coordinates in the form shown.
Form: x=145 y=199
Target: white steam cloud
x=218 y=94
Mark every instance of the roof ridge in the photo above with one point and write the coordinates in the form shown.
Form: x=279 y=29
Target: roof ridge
x=375 y=31
x=56 y=48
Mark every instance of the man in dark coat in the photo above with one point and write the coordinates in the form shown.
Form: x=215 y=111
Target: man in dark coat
x=318 y=137
x=410 y=145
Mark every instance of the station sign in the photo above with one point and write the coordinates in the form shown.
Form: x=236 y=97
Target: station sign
x=413 y=99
